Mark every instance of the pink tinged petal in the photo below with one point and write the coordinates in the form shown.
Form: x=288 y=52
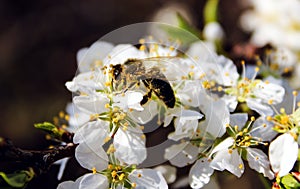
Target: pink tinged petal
x=92 y=132
x=91 y=104
x=258 y=161
x=200 y=173
x=232 y=162
x=148 y=179
x=130 y=146
x=262 y=108
x=283 y=152
x=91 y=157
x=182 y=154
x=93 y=181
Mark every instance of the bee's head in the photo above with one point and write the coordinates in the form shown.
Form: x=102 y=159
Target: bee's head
x=117 y=69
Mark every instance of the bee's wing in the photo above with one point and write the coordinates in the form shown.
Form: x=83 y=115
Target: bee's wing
x=168 y=67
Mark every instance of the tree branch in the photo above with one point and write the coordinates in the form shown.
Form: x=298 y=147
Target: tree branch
x=40 y=161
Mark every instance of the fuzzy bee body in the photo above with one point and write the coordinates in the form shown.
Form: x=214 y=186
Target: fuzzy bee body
x=134 y=71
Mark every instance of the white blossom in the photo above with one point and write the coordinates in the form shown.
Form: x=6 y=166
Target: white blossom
x=283 y=153
x=269 y=19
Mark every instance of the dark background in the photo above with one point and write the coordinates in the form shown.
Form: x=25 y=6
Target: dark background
x=38 y=45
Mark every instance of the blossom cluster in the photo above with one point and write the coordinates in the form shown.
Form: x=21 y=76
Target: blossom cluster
x=121 y=89
x=221 y=113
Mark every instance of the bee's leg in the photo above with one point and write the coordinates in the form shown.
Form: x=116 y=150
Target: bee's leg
x=131 y=86
x=146 y=97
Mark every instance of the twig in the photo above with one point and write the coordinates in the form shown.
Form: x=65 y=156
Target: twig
x=40 y=161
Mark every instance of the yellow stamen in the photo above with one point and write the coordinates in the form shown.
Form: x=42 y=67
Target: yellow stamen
x=133 y=185
x=142 y=47
x=94 y=170
x=109 y=166
x=241 y=166
x=121 y=177
x=142 y=41
x=270 y=101
x=113 y=174
x=295 y=93
x=61 y=114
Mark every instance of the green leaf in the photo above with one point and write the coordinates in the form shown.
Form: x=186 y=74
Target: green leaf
x=185 y=32
x=49 y=128
x=290 y=182
x=211 y=11
x=183 y=24
x=18 y=179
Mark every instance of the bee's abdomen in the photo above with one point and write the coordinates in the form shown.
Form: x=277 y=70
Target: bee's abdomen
x=162 y=90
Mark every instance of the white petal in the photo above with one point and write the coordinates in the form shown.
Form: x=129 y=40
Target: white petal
x=263 y=129
x=269 y=91
x=93 y=181
x=90 y=158
x=258 y=161
x=149 y=179
x=131 y=100
x=87 y=57
x=200 y=173
x=224 y=145
x=67 y=185
x=70 y=184
x=238 y=119
x=87 y=82
x=262 y=108
x=224 y=67
x=121 y=53
x=186 y=123
x=182 y=154
x=130 y=146
x=91 y=104
x=229 y=161
x=203 y=50
x=77 y=118
x=95 y=131
x=213 y=31
x=217 y=116
x=231 y=102
x=143 y=117
x=62 y=163
x=168 y=172
x=170 y=114
x=190 y=93
x=283 y=152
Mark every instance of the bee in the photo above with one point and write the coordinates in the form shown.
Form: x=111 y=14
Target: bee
x=147 y=71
